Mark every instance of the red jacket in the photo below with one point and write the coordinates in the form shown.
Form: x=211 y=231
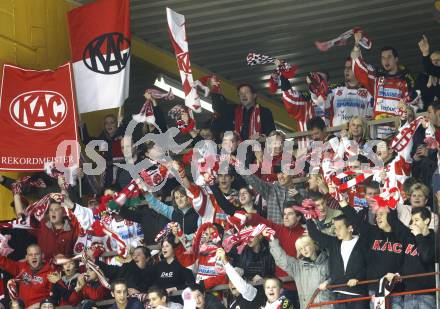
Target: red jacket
x=387 y=90
x=66 y=294
x=206 y=270
x=94 y=291
x=53 y=242
x=33 y=287
x=286 y=236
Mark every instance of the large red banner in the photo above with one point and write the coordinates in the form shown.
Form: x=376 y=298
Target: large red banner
x=37 y=113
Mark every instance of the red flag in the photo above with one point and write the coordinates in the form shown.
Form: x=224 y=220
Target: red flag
x=100 y=42
x=37 y=113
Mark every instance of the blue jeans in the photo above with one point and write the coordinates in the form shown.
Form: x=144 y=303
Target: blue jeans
x=421 y=301
x=354 y=305
x=395 y=302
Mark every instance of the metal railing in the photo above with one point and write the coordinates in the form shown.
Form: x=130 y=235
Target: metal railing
x=311 y=303
x=371 y=126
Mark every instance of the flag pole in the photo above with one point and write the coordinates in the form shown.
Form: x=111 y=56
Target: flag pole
x=119 y=115
x=80 y=186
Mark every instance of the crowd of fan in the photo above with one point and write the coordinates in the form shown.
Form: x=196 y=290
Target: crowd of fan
x=248 y=231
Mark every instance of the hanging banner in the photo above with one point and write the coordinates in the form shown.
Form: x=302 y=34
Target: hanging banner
x=37 y=113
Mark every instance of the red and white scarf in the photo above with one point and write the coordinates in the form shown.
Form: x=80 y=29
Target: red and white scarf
x=308 y=209
x=176 y=112
x=100 y=230
x=155 y=176
x=405 y=134
x=212 y=81
x=341 y=40
x=5 y=250
x=245 y=237
x=18 y=185
x=69 y=175
x=89 y=264
x=256 y=58
x=359 y=177
x=318 y=84
x=178 y=37
x=389 y=198
x=130 y=191
x=146 y=114
x=19 y=223
x=38 y=209
x=254 y=120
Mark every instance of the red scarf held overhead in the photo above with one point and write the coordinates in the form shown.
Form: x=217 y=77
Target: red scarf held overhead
x=254 y=120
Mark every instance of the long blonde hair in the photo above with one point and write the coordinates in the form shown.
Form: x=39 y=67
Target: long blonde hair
x=365 y=134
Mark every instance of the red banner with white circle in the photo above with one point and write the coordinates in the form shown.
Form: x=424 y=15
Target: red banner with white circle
x=37 y=113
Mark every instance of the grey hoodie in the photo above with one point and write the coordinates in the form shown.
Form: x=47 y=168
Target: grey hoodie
x=307 y=275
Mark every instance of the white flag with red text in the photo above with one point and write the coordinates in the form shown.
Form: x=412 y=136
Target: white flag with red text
x=177 y=32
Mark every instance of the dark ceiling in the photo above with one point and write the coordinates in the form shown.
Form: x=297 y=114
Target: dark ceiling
x=222 y=32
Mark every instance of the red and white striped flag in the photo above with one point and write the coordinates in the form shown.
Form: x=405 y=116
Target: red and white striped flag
x=177 y=31
x=100 y=42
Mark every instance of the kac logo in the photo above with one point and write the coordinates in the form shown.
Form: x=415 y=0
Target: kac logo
x=107 y=54
x=38 y=110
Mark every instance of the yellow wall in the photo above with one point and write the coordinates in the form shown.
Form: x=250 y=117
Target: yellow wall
x=33 y=34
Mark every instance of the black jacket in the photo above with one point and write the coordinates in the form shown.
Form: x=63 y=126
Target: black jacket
x=226 y=117
x=250 y=261
x=356 y=263
x=188 y=220
x=130 y=272
x=419 y=254
x=151 y=222
x=166 y=275
x=212 y=302
x=384 y=254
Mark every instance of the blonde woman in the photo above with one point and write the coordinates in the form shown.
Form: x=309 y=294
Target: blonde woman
x=309 y=269
x=418 y=197
x=358 y=130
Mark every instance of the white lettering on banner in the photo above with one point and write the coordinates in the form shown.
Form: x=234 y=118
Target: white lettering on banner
x=38 y=110
x=36 y=161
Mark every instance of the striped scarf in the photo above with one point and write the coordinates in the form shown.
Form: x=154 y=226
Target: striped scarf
x=341 y=40
x=254 y=120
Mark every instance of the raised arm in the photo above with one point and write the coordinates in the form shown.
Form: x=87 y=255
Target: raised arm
x=10 y=266
x=159 y=207
x=297 y=106
x=427 y=63
x=363 y=72
x=362 y=226
x=288 y=263
x=400 y=229
x=322 y=239
x=247 y=290
x=264 y=188
x=224 y=204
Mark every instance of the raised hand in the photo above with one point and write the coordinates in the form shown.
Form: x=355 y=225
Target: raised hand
x=357 y=37
x=352 y=282
x=221 y=255
x=54 y=277
x=424 y=46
